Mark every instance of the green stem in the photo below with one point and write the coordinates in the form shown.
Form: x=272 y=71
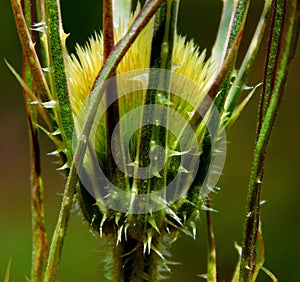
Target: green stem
x=39 y=235
x=212 y=254
x=142 y=158
x=41 y=27
x=238 y=85
x=61 y=227
x=263 y=136
x=277 y=25
x=221 y=44
x=57 y=37
x=239 y=19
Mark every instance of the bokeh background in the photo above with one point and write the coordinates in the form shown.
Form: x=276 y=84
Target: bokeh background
x=82 y=254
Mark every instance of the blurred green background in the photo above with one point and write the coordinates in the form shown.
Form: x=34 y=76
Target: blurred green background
x=83 y=253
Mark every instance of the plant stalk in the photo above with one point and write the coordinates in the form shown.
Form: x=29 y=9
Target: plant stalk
x=266 y=123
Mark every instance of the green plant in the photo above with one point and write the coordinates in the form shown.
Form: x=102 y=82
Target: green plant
x=140 y=237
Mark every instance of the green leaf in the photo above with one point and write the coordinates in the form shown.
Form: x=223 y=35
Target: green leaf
x=31 y=95
x=7 y=274
x=221 y=44
x=236 y=275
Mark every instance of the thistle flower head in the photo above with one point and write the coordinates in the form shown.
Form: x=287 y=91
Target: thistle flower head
x=143 y=231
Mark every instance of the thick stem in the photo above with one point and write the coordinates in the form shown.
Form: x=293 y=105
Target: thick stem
x=132 y=263
x=57 y=38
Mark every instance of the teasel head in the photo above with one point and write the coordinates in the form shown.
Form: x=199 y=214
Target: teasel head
x=158 y=136
x=141 y=229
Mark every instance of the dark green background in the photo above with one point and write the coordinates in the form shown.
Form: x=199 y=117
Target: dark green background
x=83 y=253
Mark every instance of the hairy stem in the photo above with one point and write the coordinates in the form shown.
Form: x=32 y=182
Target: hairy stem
x=61 y=228
x=57 y=37
x=251 y=224
x=39 y=235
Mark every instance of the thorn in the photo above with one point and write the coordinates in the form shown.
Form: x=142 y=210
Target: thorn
x=163 y=100
x=152 y=222
x=149 y=240
x=39 y=27
x=182 y=170
x=157 y=252
x=125 y=230
x=47 y=69
x=56 y=132
x=203 y=276
x=263 y=202
x=119 y=239
x=49 y=105
x=172 y=153
x=173 y=215
x=65 y=166
x=205 y=208
x=143 y=78
x=54 y=153
x=101 y=224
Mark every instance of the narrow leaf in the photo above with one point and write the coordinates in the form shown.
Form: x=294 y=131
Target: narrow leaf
x=7 y=274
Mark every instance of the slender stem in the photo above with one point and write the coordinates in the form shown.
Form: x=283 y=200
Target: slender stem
x=39 y=235
x=108 y=28
x=238 y=85
x=272 y=61
x=147 y=131
x=239 y=19
x=42 y=89
x=113 y=172
x=61 y=228
x=212 y=254
x=41 y=26
x=254 y=190
x=65 y=121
